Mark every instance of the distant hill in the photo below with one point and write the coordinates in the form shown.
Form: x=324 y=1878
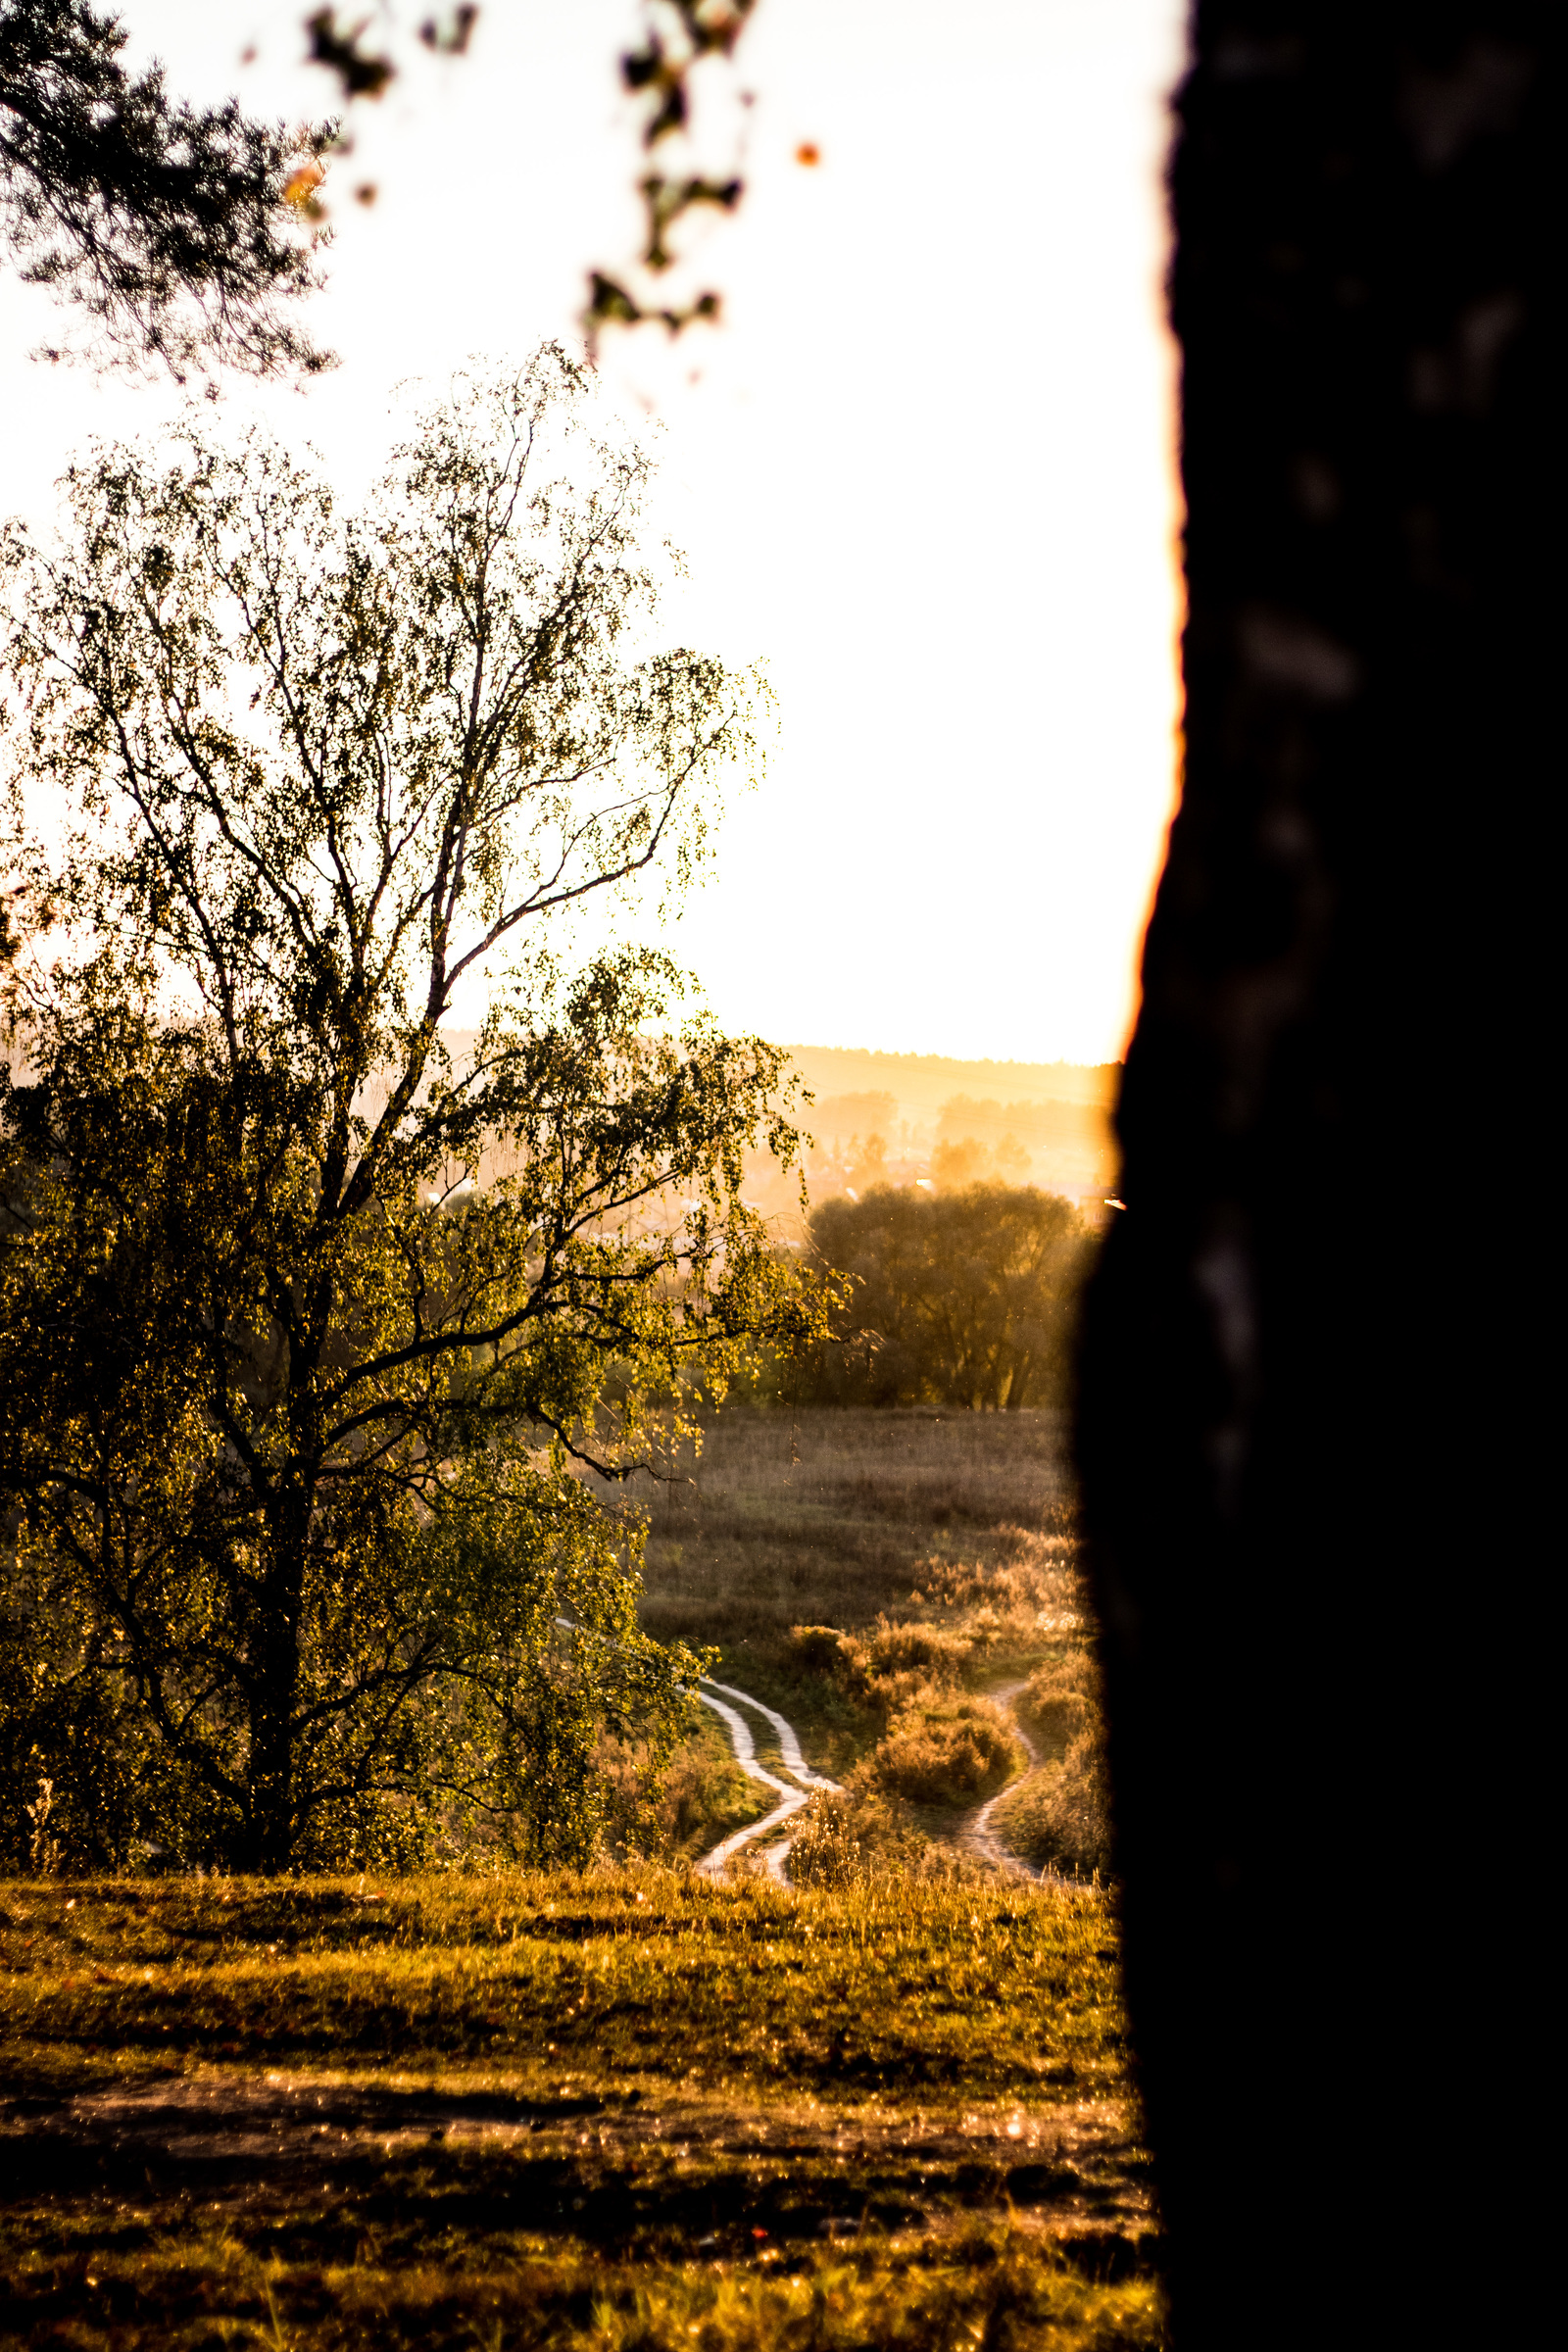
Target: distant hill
x=939 y=1119
x=921 y=1083
x=1051 y=1126
x=949 y=1122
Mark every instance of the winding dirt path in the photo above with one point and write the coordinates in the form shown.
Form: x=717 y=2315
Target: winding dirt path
x=789 y=1745
x=978 y=1836
x=793 y=1798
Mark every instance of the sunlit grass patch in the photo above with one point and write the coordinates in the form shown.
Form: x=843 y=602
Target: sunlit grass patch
x=925 y=1547
x=890 y=1985
x=634 y=2108
x=827 y=1516
x=626 y=2108
x=190 y=2287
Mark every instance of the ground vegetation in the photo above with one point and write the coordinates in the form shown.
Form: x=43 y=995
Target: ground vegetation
x=630 y=2108
x=1059 y=1817
x=904 y=1587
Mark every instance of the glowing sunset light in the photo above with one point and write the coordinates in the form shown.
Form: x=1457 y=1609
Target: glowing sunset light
x=923 y=467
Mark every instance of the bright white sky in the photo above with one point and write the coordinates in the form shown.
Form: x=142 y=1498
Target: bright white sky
x=925 y=468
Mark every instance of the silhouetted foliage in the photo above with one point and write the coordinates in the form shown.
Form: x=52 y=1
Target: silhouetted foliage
x=181 y=232
x=288 y=1405
x=369 y=73
x=678 y=38
x=680 y=35
x=963 y=1299
x=360 y=74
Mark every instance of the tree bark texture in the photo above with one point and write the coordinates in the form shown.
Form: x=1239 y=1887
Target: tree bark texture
x=1304 y=1421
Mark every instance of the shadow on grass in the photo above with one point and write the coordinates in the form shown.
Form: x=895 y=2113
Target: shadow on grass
x=345 y=2160
x=140 y=2222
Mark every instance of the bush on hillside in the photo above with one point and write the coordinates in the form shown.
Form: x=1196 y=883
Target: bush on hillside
x=1060 y=1818
x=965 y=1299
x=883 y=1668
x=852 y=1835
x=1061 y=1703
x=942 y=1758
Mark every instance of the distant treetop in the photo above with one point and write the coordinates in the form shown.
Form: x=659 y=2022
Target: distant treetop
x=922 y=1083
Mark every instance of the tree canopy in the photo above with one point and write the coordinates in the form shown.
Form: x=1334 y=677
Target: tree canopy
x=312 y=1325
x=180 y=230
x=965 y=1299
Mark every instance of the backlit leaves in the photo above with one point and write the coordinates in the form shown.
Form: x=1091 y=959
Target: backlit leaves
x=309 y=1307
x=680 y=36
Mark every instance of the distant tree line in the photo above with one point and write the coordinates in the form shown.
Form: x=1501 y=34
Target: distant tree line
x=965 y=1299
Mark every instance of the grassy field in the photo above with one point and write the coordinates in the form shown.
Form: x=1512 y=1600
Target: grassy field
x=635 y=2110
x=626 y=2110
x=880 y=1577
x=830 y=1515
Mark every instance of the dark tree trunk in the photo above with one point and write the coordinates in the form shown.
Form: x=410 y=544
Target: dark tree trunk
x=1305 y=1423
x=272 y=1773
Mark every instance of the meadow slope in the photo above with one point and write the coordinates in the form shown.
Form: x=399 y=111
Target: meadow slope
x=636 y=2109
x=904 y=1587
x=627 y=2109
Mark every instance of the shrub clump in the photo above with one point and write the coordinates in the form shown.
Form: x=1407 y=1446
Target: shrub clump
x=1059 y=1817
x=676 y=1813
x=940 y=1752
x=933 y=1758
x=1062 y=1703
x=852 y=1836
x=818 y=1648
x=884 y=1668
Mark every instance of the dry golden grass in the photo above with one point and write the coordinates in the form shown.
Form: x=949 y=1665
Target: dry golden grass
x=746 y=1540
x=946 y=1748
x=1059 y=1817
x=631 y=2108
x=877 y=1575
x=634 y=2111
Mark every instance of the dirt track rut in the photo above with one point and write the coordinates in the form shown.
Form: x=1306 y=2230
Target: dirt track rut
x=978 y=1836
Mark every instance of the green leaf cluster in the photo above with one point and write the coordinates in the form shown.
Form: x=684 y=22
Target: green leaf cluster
x=965 y=1299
